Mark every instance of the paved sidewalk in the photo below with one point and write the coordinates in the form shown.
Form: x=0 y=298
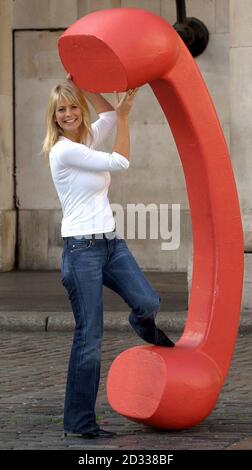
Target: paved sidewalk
x=36 y=330
x=37 y=301
x=33 y=373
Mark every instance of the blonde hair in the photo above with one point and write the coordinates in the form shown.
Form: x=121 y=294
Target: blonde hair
x=73 y=95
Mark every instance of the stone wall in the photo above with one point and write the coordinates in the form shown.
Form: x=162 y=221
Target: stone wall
x=7 y=206
x=241 y=123
x=153 y=149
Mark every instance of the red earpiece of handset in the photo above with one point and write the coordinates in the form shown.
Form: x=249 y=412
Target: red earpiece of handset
x=126 y=48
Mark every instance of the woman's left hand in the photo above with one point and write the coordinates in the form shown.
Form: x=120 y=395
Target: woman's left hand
x=69 y=76
x=123 y=105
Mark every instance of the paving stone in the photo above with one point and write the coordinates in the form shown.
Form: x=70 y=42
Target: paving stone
x=33 y=373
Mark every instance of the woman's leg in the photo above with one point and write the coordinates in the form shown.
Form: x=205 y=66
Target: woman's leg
x=123 y=275
x=82 y=278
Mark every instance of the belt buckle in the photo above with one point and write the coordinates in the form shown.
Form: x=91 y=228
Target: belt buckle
x=88 y=236
x=110 y=235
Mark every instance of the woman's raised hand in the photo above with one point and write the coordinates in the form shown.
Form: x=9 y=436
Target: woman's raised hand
x=123 y=105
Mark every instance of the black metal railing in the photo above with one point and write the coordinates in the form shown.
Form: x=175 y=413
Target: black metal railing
x=191 y=30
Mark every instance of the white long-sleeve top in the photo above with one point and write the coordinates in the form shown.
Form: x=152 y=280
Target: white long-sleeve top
x=81 y=176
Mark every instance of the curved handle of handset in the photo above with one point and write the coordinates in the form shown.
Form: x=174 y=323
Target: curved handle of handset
x=126 y=48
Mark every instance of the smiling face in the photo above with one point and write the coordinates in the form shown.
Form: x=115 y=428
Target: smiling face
x=69 y=118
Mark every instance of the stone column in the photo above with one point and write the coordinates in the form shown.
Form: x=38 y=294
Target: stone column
x=241 y=123
x=7 y=207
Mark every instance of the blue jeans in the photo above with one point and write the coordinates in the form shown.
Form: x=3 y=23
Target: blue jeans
x=87 y=265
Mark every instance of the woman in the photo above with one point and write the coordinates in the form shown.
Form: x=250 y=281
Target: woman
x=93 y=255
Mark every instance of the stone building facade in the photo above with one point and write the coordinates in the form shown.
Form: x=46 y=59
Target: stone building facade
x=30 y=213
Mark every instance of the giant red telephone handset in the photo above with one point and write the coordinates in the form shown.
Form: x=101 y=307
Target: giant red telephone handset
x=125 y=48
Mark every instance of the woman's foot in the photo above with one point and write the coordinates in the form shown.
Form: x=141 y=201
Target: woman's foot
x=148 y=331
x=97 y=434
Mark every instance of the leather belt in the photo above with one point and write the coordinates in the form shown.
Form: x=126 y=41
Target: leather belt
x=94 y=236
